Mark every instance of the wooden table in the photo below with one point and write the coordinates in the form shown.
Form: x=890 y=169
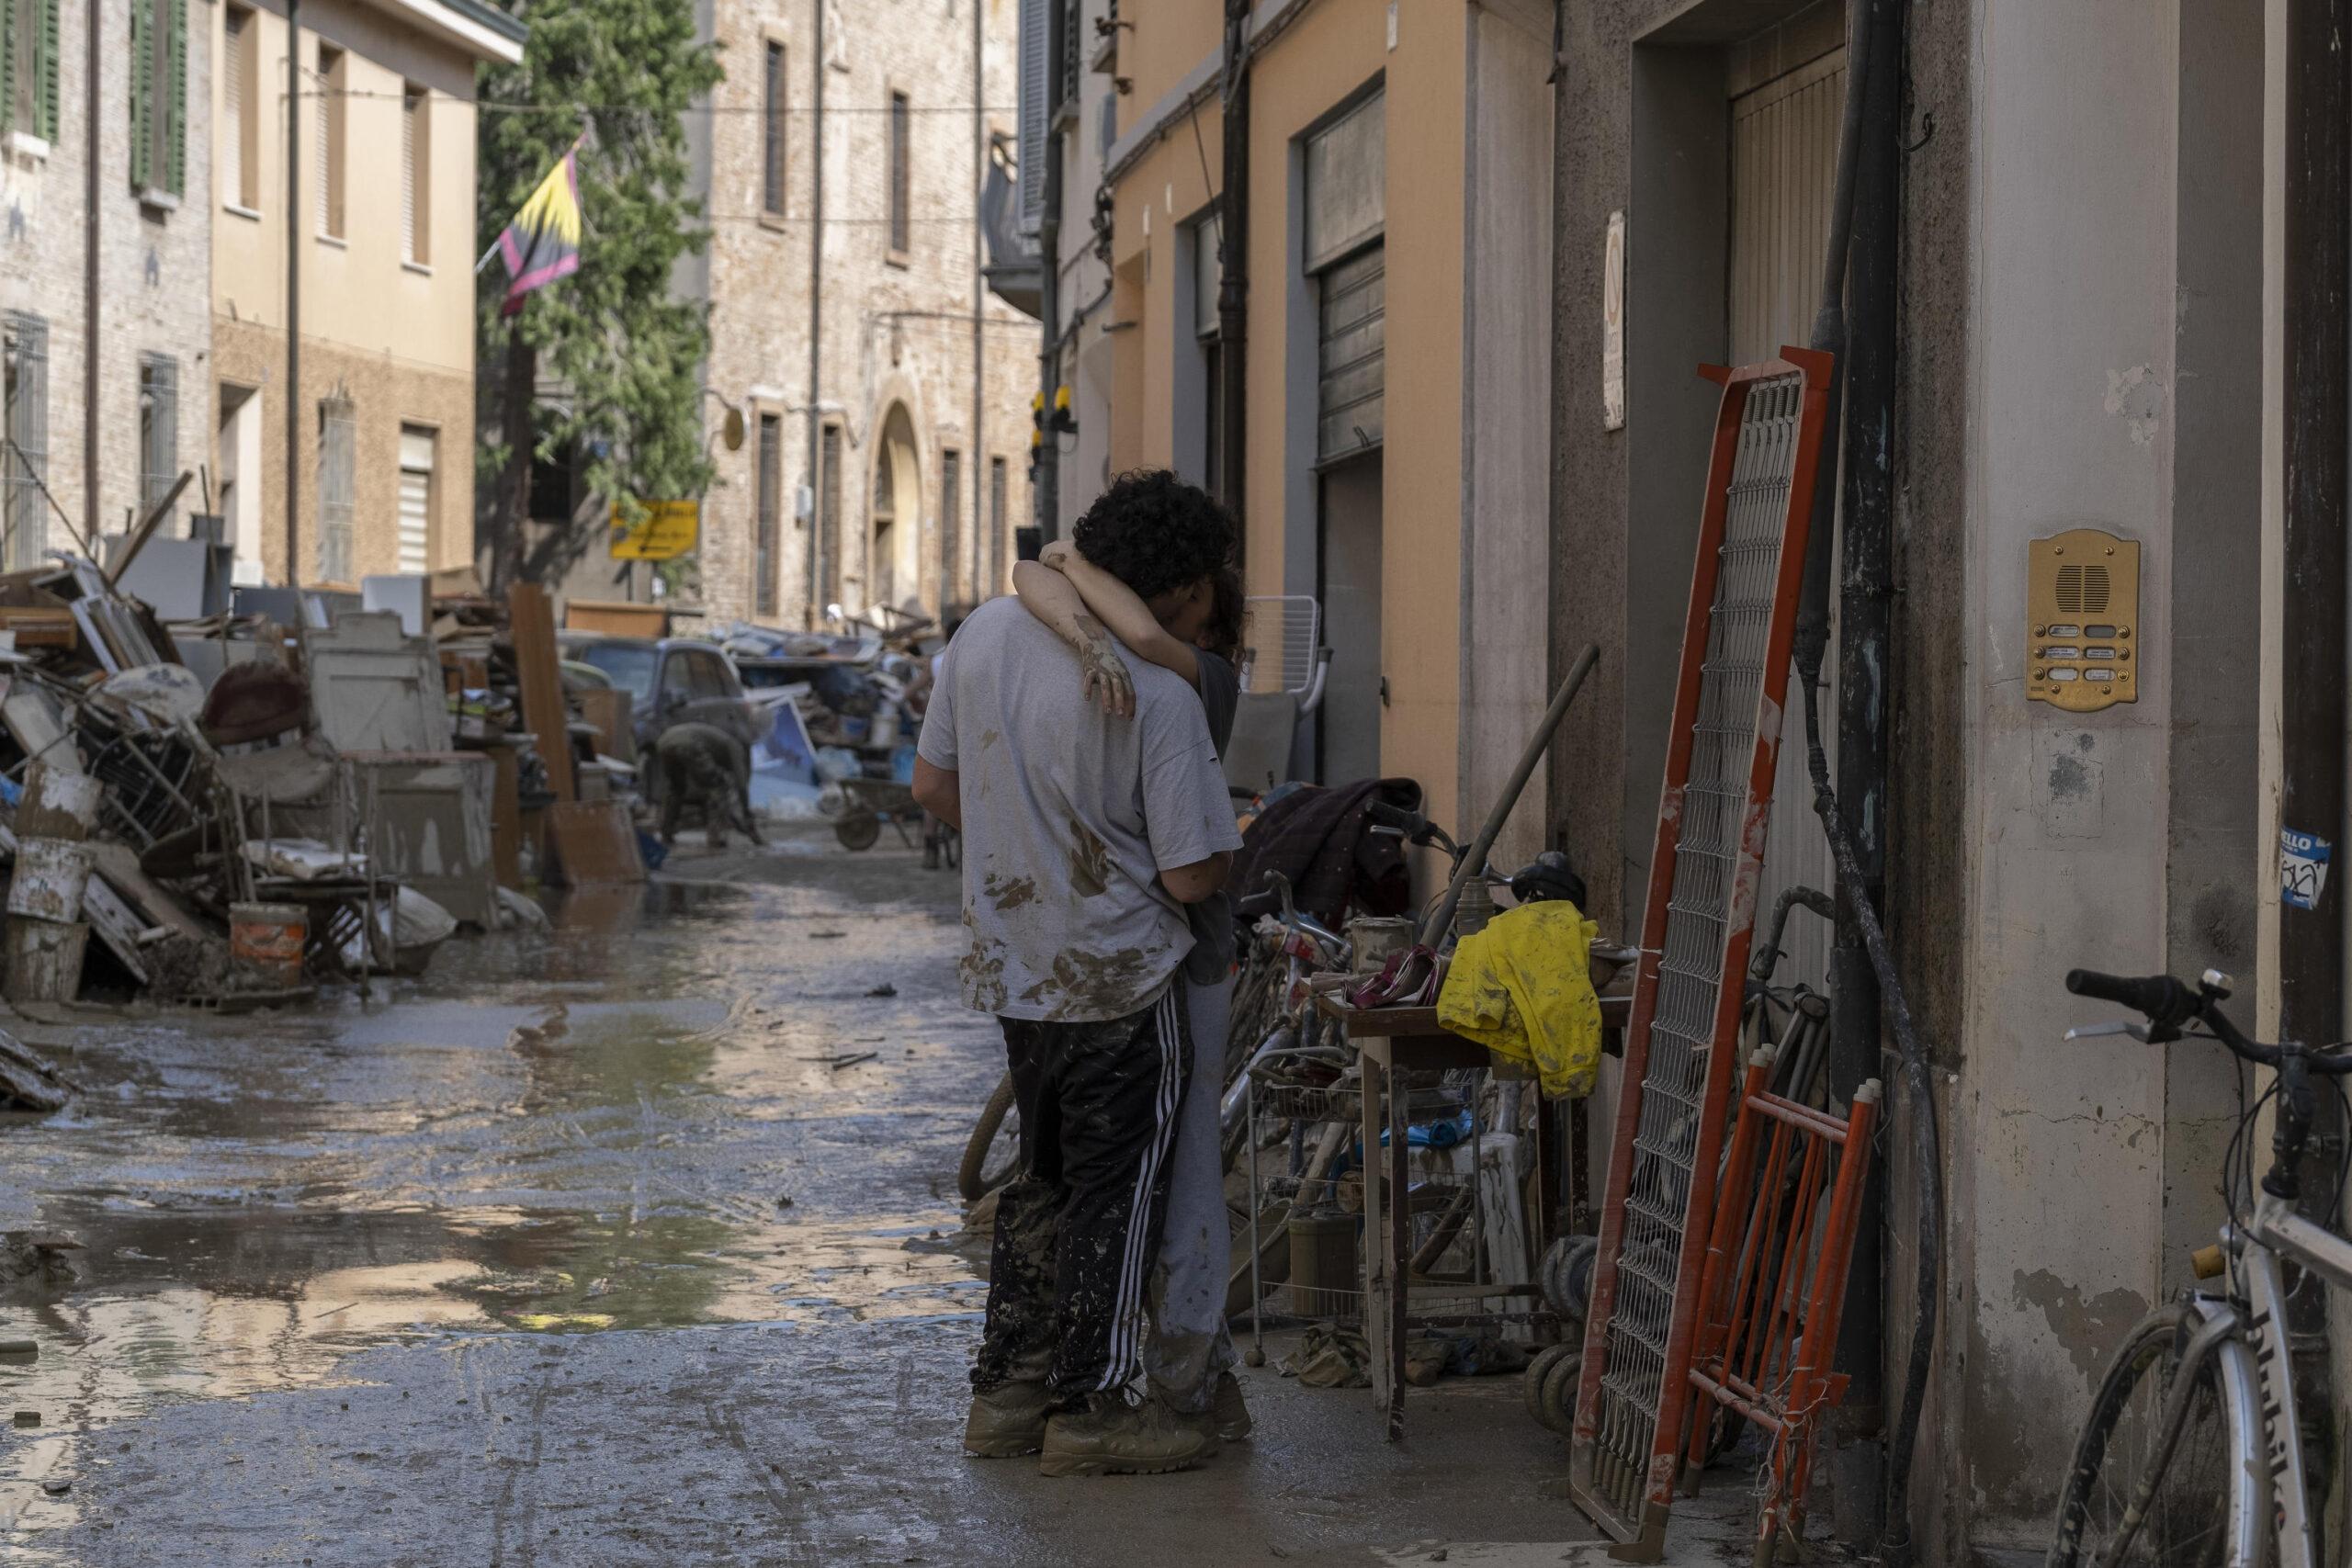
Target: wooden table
x=1390 y=1044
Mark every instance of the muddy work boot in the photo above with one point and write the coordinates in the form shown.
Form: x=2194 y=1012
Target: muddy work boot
x=1007 y=1421
x=1112 y=1438
x=1226 y=1407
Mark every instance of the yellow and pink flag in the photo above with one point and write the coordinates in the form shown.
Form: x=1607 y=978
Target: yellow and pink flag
x=543 y=242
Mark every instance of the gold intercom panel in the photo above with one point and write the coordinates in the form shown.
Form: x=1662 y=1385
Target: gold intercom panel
x=2082 y=606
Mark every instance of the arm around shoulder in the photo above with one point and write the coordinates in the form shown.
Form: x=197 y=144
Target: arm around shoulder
x=1190 y=884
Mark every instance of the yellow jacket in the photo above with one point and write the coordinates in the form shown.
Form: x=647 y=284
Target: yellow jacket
x=1523 y=989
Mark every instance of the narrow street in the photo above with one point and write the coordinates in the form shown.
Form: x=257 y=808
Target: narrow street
x=582 y=1251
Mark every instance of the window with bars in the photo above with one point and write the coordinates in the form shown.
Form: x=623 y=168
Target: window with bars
x=775 y=104
x=828 y=512
x=338 y=459
x=334 y=79
x=951 y=503
x=416 y=174
x=29 y=64
x=159 y=96
x=159 y=429
x=901 y=174
x=769 y=525
x=239 y=102
x=992 y=548
x=25 y=461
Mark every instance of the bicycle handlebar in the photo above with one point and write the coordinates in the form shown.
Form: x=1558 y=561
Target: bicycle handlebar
x=2169 y=1003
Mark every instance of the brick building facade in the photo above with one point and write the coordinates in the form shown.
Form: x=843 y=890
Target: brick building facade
x=920 y=424
x=147 y=418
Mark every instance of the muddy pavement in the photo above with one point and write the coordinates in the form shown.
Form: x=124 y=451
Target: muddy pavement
x=610 y=1245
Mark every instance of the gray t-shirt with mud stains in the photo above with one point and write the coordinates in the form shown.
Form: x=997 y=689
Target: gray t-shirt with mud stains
x=1070 y=817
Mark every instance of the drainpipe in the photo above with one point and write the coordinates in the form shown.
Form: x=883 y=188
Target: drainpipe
x=1233 y=288
x=293 y=282
x=91 y=338
x=1863 y=679
x=2312 y=717
x=1047 y=501
x=814 y=551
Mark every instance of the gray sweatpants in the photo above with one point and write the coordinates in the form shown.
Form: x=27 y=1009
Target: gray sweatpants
x=1189 y=1343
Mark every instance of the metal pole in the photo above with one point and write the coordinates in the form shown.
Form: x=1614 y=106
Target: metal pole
x=293 y=291
x=1048 y=500
x=2317 y=198
x=1864 y=600
x=91 y=336
x=976 y=470
x=813 y=552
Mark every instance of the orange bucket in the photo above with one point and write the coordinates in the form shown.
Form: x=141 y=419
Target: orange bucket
x=266 y=942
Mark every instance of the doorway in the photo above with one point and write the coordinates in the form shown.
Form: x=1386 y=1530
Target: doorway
x=894 y=536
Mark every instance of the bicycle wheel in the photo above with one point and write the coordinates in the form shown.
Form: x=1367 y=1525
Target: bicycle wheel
x=2209 y=1498
x=979 y=1175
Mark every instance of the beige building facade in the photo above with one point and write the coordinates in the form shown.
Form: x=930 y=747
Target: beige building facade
x=1367 y=253
x=385 y=224
x=107 y=345
x=890 y=466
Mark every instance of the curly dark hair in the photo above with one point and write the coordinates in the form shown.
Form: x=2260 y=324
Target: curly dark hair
x=1155 y=533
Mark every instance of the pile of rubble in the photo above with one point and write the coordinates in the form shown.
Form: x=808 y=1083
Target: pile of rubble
x=239 y=793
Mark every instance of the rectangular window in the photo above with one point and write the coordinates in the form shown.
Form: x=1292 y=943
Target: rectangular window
x=769 y=522
x=159 y=429
x=951 y=502
x=238 y=103
x=159 y=96
x=417 y=444
x=772 y=132
x=416 y=174
x=334 y=77
x=829 y=515
x=26 y=457
x=901 y=174
x=338 y=457
x=992 y=551
x=30 y=68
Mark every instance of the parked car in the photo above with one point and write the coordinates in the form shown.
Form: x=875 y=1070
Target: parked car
x=672 y=681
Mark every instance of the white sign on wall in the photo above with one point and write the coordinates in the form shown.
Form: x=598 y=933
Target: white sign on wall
x=1612 y=326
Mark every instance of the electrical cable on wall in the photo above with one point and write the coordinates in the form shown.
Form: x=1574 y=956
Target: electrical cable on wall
x=1894 y=1545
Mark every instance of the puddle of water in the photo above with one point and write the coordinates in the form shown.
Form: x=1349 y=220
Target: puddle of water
x=574 y=1132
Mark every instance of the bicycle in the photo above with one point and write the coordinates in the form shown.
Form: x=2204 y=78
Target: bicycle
x=2195 y=1421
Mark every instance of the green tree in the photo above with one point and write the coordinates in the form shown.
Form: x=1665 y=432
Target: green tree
x=627 y=352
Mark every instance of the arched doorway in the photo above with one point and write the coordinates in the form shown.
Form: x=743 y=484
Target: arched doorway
x=894 y=536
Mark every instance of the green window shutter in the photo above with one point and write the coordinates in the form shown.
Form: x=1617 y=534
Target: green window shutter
x=142 y=95
x=45 y=71
x=9 y=64
x=175 y=102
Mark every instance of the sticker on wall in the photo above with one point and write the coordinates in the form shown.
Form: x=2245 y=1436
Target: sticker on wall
x=2302 y=868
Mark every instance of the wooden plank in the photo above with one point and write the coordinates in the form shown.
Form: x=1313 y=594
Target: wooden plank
x=591 y=843
x=506 y=818
x=531 y=624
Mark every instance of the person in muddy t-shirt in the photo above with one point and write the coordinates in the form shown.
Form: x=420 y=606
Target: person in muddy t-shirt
x=1085 y=836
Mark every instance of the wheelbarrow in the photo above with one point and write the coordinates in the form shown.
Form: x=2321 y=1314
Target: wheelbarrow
x=862 y=806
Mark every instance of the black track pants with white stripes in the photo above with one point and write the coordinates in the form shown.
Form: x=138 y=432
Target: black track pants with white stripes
x=1076 y=1236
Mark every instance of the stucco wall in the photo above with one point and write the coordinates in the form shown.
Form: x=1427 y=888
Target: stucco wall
x=386 y=392
x=397 y=336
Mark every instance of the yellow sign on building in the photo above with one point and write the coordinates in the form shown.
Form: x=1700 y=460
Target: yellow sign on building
x=669 y=529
